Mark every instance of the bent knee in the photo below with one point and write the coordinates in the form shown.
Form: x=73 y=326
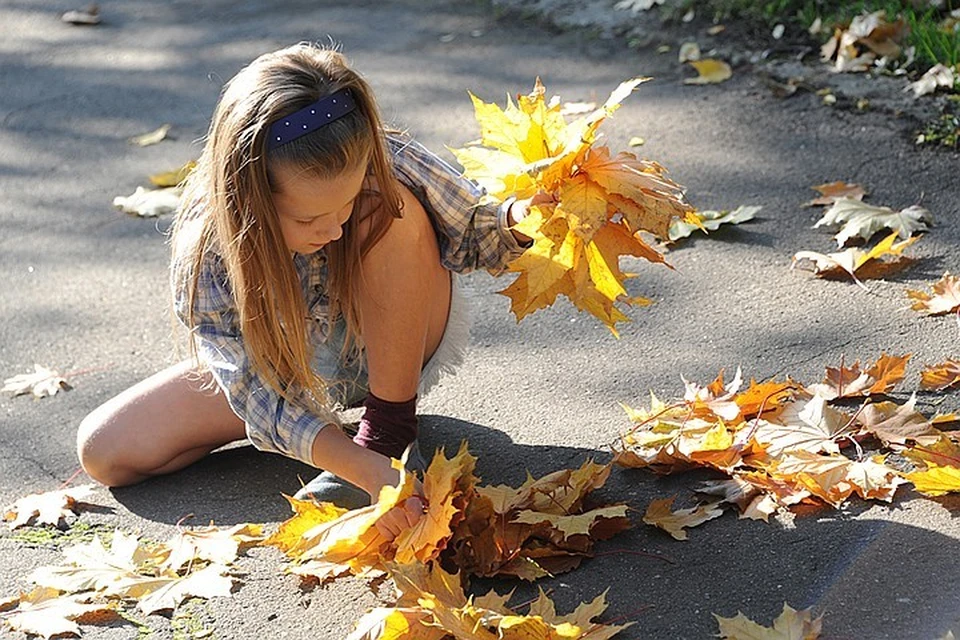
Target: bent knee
x=100 y=450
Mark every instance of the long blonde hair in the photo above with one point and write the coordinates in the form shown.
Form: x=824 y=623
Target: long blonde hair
x=230 y=195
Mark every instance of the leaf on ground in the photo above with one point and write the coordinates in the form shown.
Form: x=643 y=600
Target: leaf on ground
x=789 y=625
x=710 y=71
x=943 y=375
x=882 y=260
x=41 y=383
x=151 y=137
x=168 y=592
x=935 y=480
x=659 y=514
x=812 y=426
x=121 y=571
x=937 y=76
x=944 y=297
x=636 y=6
x=51 y=507
x=149 y=203
x=432 y=605
x=895 y=424
x=849 y=382
x=601 y=201
x=831 y=192
x=45 y=612
x=174 y=177
x=711 y=221
x=855 y=49
x=858 y=219
x=220 y=546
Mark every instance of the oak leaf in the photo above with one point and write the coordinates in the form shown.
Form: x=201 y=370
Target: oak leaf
x=861 y=220
x=830 y=192
x=943 y=375
x=945 y=297
x=789 y=625
x=41 y=383
x=601 y=201
x=710 y=221
x=659 y=514
x=48 y=613
x=709 y=71
x=883 y=259
x=51 y=507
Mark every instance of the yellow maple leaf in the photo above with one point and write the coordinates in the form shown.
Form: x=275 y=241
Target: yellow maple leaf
x=789 y=625
x=935 y=480
x=659 y=514
x=601 y=202
x=445 y=484
x=709 y=71
x=309 y=514
x=936 y=377
x=858 y=263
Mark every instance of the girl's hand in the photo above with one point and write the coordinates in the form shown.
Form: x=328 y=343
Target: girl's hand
x=518 y=211
x=403 y=516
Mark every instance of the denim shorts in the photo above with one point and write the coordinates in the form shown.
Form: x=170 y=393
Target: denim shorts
x=346 y=378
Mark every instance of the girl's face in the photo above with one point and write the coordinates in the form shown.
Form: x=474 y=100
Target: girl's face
x=313 y=210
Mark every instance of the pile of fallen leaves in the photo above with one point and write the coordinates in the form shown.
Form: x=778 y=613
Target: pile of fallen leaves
x=782 y=443
x=538 y=529
x=595 y=203
x=98 y=582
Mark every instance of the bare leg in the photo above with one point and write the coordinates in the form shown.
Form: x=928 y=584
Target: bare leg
x=159 y=425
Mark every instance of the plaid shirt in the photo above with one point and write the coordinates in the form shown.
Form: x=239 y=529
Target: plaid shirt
x=470 y=235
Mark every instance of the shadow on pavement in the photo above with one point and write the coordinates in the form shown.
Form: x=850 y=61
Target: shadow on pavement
x=900 y=581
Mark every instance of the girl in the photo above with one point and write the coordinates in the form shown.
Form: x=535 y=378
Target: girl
x=312 y=265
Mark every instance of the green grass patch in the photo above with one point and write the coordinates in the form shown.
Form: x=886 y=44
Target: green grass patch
x=935 y=36
x=51 y=537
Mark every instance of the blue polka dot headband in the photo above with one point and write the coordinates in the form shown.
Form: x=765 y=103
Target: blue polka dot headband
x=310 y=118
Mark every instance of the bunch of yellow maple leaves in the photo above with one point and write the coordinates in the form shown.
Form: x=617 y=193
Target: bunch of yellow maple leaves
x=540 y=528
x=594 y=205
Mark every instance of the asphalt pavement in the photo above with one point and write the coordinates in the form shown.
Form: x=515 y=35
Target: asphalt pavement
x=84 y=290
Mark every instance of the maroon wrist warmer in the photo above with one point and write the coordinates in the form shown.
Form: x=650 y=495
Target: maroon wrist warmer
x=387 y=427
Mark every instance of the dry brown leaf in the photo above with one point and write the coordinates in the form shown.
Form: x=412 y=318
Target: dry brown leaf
x=943 y=375
x=41 y=383
x=848 y=382
x=51 y=507
x=219 y=546
x=883 y=259
x=830 y=192
x=789 y=625
x=48 y=613
x=944 y=297
x=659 y=514
x=895 y=424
